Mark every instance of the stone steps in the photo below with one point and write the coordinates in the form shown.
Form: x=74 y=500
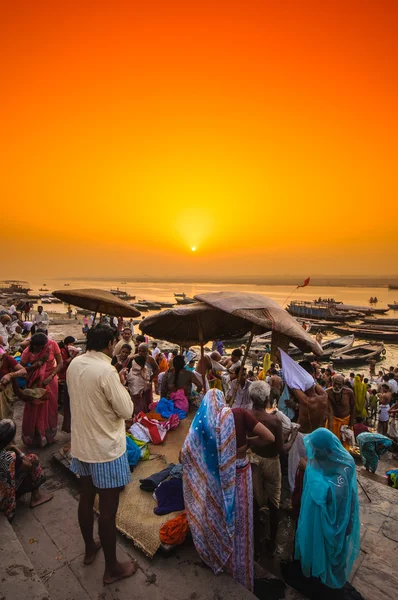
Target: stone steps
x=18 y=578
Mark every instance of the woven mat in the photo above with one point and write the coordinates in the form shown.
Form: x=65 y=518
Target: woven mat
x=135 y=517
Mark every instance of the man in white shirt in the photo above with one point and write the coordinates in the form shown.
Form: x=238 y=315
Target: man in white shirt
x=41 y=320
x=155 y=350
x=12 y=308
x=393 y=383
x=100 y=404
x=127 y=338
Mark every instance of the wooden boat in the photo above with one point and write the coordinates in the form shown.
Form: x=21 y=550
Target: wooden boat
x=359 y=354
x=340 y=344
x=329 y=347
x=45 y=301
x=371 y=332
x=14 y=287
x=393 y=306
x=317 y=311
x=185 y=300
x=370 y=321
x=393 y=287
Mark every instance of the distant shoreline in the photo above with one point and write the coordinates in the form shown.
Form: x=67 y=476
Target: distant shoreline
x=382 y=282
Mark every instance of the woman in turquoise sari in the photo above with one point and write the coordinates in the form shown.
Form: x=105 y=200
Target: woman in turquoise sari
x=327 y=538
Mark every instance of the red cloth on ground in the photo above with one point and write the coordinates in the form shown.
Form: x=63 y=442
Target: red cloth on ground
x=175 y=531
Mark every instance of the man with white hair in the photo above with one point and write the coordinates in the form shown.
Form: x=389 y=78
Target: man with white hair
x=266 y=468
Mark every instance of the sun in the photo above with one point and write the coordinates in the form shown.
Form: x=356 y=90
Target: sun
x=193 y=248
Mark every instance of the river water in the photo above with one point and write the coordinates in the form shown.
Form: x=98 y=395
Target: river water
x=280 y=293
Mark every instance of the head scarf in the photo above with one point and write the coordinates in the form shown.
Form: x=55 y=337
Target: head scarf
x=209 y=477
x=327 y=538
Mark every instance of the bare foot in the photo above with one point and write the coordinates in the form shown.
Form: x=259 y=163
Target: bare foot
x=92 y=553
x=123 y=570
x=40 y=499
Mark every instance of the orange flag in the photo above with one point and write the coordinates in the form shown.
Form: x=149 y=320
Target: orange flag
x=306 y=282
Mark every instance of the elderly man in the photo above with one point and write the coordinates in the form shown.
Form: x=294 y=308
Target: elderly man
x=100 y=404
x=5 y=321
x=41 y=320
x=127 y=338
x=266 y=468
x=341 y=407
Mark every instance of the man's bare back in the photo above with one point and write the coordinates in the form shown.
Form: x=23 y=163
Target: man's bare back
x=276 y=383
x=313 y=408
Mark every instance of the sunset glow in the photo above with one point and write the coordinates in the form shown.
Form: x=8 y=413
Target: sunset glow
x=265 y=131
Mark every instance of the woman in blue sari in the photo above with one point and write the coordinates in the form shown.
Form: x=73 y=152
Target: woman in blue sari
x=372 y=446
x=327 y=538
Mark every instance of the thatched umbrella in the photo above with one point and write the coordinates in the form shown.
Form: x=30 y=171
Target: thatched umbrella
x=265 y=315
x=97 y=301
x=194 y=324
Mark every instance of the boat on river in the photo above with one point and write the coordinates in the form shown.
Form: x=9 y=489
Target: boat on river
x=359 y=354
x=393 y=306
x=13 y=287
x=322 y=311
x=387 y=334
x=370 y=321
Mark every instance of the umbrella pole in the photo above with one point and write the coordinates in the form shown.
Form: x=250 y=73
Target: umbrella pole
x=202 y=357
x=242 y=366
x=95 y=316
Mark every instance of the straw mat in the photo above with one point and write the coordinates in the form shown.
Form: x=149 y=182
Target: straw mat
x=135 y=517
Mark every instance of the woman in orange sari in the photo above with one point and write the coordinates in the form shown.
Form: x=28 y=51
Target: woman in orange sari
x=163 y=367
x=43 y=361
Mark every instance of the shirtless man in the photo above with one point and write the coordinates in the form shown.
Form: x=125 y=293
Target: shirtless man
x=313 y=407
x=266 y=468
x=341 y=406
x=385 y=398
x=275 y=383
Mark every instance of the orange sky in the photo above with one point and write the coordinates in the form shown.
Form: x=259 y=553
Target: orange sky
x=263 y=133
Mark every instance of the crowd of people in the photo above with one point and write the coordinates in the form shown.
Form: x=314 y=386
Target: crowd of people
x=251 y=427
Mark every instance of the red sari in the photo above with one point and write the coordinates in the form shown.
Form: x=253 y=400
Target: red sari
x=40 y=421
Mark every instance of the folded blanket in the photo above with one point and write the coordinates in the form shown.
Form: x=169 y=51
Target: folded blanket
x=170 y=497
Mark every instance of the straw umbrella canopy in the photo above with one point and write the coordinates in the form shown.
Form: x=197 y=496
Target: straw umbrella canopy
x=97 y=301
x=193 y=324
x=265 y=315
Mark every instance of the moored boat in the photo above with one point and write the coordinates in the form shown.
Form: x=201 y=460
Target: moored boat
x=340 y=344
x=382 y=321
x=359 y=354
x=185 y=300
x=393 y=306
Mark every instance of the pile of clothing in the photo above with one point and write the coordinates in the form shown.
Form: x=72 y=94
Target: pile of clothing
x=177 y=405
x=166 y=486
x=148 y=429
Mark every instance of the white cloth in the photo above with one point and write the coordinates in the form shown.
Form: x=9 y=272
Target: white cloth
x=12 y=309
x=41 y=320
x=347 y=435
x=155 y=352
x=242 y=398
x=99 y=406
x=297 y=452
x=4 y=334
x=295 y=376
x=383 y=413
x=393 y=386
x=140 y=432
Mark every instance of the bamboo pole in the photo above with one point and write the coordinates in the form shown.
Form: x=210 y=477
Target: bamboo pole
x=242 y=366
